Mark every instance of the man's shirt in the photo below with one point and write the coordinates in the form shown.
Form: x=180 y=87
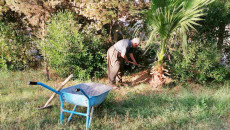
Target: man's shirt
x=124 y=46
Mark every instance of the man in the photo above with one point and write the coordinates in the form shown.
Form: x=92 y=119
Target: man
x=115 y=56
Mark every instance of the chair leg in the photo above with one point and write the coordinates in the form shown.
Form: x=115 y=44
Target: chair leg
x=91 y=116
x=72 y=113
x=87 y=117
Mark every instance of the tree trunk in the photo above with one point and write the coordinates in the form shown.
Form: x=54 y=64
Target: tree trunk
x=46 y=68
x=46 y=65
x=221 y=37
x=110 y=32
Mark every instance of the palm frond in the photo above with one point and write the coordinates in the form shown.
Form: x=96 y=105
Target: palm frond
x=168 y=16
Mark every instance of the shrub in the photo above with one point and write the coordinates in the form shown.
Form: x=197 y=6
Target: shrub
x=143 y=57
x=214 y=26
x=217 y=14
x=71 y=51
x=15 y=47
x=200 y=65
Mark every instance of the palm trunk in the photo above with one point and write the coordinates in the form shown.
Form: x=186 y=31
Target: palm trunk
x=161 y=56
x=158 y=78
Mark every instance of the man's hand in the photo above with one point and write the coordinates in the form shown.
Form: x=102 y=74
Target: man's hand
x=133 y=59
x=125 y=58
x=135 y=63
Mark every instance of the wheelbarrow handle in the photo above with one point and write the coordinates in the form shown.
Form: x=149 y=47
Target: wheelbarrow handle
x=44 y=85
x=32 y=83
x=79 y=89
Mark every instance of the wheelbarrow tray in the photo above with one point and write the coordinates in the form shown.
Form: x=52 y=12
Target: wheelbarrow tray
x=96 y=93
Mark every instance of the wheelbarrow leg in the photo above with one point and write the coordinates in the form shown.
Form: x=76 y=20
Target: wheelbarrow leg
x=72 y=113
x=87 y=117
x=61 y=109
x=91 y=115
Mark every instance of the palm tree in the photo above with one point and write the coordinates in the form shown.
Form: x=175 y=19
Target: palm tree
x=169 y=16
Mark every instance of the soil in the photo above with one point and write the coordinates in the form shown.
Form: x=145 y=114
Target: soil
x=142 y=77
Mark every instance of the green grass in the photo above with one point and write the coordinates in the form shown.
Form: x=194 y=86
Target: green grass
x=190 y=107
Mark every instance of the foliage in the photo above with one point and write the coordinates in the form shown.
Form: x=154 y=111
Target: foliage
x=108 y=14
x=100 y=15
x=3 y=8
x=169 y=16
x=214 y=26
x=217 y=13
x=200 y=65
x=166 y=18
x=143 y=58
x=104 y=12
x=34 y=12
x=15 y=48
x=68 y=50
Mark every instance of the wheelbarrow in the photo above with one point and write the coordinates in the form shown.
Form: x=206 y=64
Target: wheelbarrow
x=86 y=94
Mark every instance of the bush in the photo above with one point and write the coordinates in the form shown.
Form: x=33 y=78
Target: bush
x=200 y=65
x=217 y=14
x=143 y=58
x=71 y=51
x=15 y=47
x=213 y=26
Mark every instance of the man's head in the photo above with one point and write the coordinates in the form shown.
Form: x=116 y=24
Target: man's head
x=135 y=42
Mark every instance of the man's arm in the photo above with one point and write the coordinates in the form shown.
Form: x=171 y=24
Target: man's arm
x=125 y=57
x=133 y=59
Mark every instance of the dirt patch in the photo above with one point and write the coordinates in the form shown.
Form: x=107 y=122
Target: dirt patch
x=136 y=83
x=142 y=77
x=135 y=79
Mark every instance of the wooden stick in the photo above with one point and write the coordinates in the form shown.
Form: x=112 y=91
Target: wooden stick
x=136 y=65
x=59 y=88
